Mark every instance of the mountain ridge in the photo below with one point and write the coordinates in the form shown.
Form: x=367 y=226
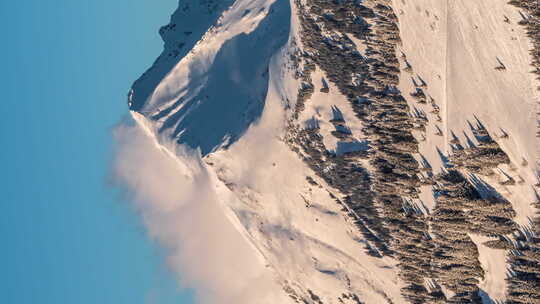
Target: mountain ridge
x=349 y=142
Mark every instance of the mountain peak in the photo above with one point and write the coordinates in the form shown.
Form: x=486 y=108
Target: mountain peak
x=375 y=151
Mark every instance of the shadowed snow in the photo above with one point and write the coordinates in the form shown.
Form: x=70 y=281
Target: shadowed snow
x=215 y=92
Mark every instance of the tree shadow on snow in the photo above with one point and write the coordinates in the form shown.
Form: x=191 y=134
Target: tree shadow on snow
x=486 y=299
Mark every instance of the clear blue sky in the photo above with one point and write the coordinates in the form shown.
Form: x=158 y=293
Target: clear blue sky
x=66 y=66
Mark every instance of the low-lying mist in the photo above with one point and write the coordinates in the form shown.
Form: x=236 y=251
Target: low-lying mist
x=175 y=194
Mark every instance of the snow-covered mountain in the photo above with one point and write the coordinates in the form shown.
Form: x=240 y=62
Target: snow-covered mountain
x=369 y=151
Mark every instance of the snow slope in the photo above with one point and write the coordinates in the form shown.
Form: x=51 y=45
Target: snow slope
x=233 y=53
x=227 y=83
x=467 y=87
x=454 y=46
x=297 y=226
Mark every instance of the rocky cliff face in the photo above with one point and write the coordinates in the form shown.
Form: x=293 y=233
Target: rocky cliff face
x=377 y=151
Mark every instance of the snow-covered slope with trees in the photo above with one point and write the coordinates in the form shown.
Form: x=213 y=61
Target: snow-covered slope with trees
x=369 y=151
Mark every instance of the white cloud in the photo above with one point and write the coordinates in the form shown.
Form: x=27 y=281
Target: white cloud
x=176 y=196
